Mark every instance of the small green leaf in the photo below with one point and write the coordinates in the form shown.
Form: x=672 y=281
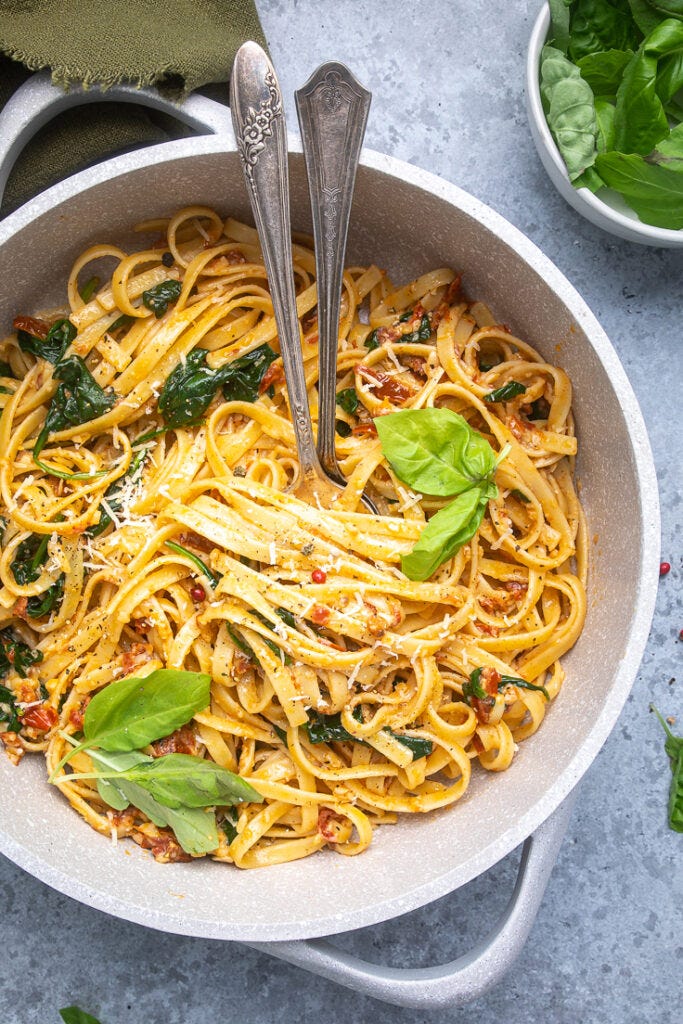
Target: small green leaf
x=435 y=451
x=53 y=347
x=161 y=295
x=372 y=340
x=131 y=713
x=212 y=578
x=673 y=746
x=74 y=1015
x=445 y=533
x=506 y=391
x=89 y=288
x=342 y=428
x=418 y=746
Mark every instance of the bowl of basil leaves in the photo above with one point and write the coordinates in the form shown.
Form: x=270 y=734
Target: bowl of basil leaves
x=605 y=104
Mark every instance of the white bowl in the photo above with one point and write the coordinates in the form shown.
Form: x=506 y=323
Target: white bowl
x=608 y=212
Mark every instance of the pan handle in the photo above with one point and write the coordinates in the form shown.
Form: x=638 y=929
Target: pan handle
x=37 y=101
x=459 y=981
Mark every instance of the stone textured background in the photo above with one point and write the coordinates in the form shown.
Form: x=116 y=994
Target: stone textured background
x=448 y=95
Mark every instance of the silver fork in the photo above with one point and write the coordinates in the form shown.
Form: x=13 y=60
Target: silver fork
x=333 y=112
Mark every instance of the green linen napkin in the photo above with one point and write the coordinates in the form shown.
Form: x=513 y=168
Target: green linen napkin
x=178 y=46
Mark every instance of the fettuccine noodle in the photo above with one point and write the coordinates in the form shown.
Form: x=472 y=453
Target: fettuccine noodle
x=311 y=614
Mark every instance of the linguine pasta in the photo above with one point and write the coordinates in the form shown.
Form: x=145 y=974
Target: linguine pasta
x=304 y=619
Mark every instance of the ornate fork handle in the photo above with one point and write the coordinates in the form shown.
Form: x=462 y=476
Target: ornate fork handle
x=333 y=112
x=259 y=123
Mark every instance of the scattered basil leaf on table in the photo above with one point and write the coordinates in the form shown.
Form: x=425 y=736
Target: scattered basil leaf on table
x=161 y=296
x=673 y=746
x=74 y=1015
x=52 y=347
x=78 y=399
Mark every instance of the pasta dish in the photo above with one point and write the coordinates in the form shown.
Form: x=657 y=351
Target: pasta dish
x=213 y=666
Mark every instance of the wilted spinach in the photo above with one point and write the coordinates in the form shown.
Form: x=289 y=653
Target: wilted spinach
x=15 y=654
x=161 y=295
x=52 y=347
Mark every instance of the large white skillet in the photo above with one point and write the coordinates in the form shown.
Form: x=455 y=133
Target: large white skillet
x=407 y=220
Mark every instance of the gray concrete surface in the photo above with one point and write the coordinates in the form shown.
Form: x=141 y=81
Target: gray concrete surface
x=447 y=80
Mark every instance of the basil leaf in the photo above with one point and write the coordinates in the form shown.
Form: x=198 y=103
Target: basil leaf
x=599 y=24
x=78 y=399
x=605 y=113
x=348 y=400
x=445 y=533
x=559 y=24
x=74 y=1015
x=52 y=347
x=435 y=451
x=640 y=121
x=570 y=110
x=644 y=15
x=669 y=77
x=673 y=746
x=241 y=379
x=183 y=780
x=194 y=827
x=131 y=713
x=15 y=654
x=506 y=391
x=161 y=295
x=604 y=70
x=654 y=191
x=229 y=824
x=669 y=150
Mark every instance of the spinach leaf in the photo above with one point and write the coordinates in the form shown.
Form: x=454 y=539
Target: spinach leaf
x=53 y=347
x=6 y=370
x=183 y=780
x=506 y=391
x=281 y=733
x=161 y=295
x=640 y=120
x=123 y=321
x=422 y=333
x=521 y=684
x=48 y=601
x=372 y=340
x=14 y=653
x=603 y=71
x=194 y=827
x=131 y=713
x=570 y=110
x=89 y=288
x=674 y=748
x=520 y=495
x=241 y=644
x=78 y=399
x=654 y=191
x=203 y=568
x=599 y=24
x=74 y=1015
x=435 y=451
x=8 y=709
x=29 y=559
x=328 y=729
x=241 y=379
x=286 y=617
x=473 y=688
x=348 y=400
x=191 y=387
x=342 y=428
x=229 y=824
x=446 y=532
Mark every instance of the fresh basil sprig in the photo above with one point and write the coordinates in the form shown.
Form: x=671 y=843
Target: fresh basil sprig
x=74 y=1015
x=673 y=746
x=190 y=388
x=435 y=451
x=78 y=399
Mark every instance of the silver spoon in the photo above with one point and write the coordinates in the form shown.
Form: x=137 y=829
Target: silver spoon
x=333 y=112
x=259 y=123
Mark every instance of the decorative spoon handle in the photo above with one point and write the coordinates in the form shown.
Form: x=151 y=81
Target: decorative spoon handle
x=333 y=112
x=259 y=123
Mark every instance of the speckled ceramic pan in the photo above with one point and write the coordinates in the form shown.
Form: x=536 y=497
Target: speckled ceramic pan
x=408 y=221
